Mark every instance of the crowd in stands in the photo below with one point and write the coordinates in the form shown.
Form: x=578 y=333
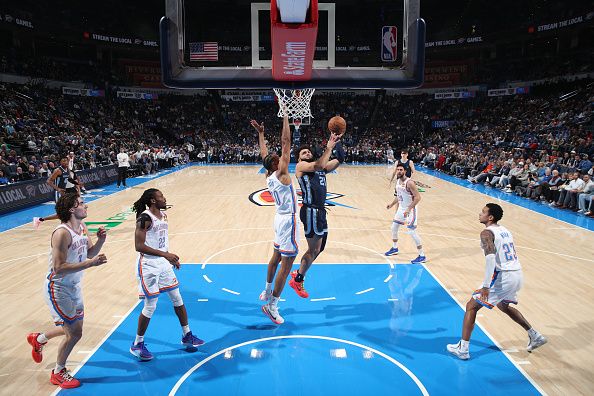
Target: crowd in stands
x=538 y=145
x=38 y=125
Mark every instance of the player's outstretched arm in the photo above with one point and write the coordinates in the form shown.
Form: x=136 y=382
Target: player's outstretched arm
x=260 y=129
x=285 y=158
x=61 y=239
x=340 y=157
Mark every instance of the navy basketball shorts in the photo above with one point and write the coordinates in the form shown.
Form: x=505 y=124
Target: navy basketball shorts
x=314 y=221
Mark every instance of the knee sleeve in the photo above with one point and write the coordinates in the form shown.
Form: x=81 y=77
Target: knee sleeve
x=175 y=298
x=415 y=237
x=395 y=227
x=150 y=304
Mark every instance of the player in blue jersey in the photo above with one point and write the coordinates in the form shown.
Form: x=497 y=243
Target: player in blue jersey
x=311 y=174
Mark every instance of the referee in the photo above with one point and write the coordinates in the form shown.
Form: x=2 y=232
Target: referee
x=123 y=165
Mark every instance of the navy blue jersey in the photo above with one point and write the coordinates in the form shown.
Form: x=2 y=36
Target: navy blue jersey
x=406 y=166
x=62 y=180
x=313 y=189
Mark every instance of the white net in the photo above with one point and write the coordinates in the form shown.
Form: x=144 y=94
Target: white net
x=295 y=102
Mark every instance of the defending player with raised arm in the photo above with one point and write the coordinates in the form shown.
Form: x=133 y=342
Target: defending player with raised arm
x=407 y=197
x=501 y=284
x=286 y=227
x=311 y=175
x=154 y=270
x=71 y=252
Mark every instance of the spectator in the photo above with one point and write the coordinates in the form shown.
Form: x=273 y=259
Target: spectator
x=586 y=195
x=568 y=195
x=3 y=178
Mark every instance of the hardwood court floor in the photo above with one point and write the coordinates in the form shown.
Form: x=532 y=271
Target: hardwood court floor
x=213 y=220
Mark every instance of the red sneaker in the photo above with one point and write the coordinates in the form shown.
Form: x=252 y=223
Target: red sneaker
x=298 y=286
x=36 y=353
x=64 y=379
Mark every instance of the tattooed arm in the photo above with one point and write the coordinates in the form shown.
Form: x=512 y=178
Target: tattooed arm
x=488 y=244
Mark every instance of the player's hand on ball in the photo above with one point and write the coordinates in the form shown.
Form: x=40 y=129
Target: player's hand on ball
x=101 y=233
x=334 y=138
x=99 y=260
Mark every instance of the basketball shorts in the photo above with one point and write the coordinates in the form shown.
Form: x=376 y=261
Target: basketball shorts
x=504 y=288
x=410 y=221
x=155 y=276
x=286 y=234
x=314 y=221
x=65 y=301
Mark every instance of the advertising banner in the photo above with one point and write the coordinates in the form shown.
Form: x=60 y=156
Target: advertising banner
x=19 y=195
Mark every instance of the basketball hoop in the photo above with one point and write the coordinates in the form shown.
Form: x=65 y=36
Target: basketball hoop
x=296 y=104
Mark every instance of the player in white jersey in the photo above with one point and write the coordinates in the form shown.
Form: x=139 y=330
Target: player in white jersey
x=154 y=270
x=503 y=280
x=407 y=198
x=71 y=252
x=286 y=221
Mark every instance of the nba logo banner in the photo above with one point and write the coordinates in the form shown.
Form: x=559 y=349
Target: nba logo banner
x=389 y=43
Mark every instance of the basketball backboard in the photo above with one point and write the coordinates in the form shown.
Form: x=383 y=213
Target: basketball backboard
x=372 y=44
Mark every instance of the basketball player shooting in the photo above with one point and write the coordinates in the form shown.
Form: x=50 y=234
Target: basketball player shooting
x=311 y=174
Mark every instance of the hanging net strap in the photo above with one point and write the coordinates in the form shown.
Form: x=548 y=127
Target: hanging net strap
x=295 y=102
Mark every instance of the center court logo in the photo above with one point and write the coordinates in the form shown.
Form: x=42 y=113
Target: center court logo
x=264 y=198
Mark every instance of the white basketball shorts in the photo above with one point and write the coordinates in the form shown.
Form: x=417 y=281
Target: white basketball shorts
x=65 y=301
x=155 y=276
x=287 y=234
x=504 y=288
x=410 y=220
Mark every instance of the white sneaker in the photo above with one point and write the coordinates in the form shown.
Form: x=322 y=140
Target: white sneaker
x=272 y=312
x=36 y=222
x=265 y=295
x=455 y=350
x=536 y=342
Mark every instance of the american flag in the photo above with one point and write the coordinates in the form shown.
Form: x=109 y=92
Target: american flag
x=207 y=51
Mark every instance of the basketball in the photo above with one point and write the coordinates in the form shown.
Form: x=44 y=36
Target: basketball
x=337 y=125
